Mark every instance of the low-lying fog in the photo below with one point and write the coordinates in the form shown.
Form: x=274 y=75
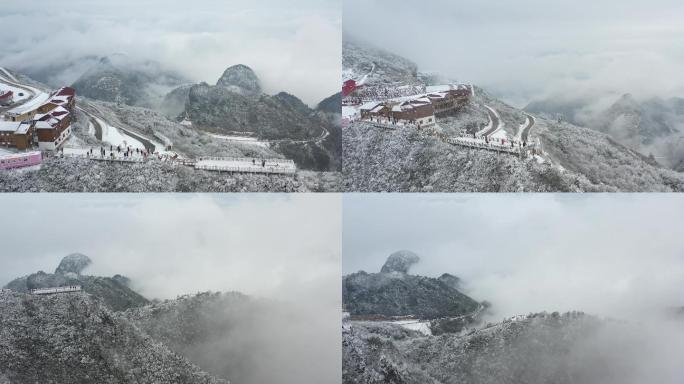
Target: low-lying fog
x=620 y=257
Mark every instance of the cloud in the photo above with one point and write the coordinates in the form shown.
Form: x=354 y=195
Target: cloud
x=616 y=255
x=282 y=248
x=529 y=49
x=293 y=49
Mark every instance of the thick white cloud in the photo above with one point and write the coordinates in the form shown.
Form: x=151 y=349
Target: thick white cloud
x=610 y=255
x=282 y=247
x=530 y=49
x=293 y=47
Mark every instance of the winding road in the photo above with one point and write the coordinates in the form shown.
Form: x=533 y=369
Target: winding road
x=524 y=135
x=495 y=122
x=96 y=116
x=6 y=80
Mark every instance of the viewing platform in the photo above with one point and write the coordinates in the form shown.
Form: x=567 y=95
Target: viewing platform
x=50 y=291
x=246 y=165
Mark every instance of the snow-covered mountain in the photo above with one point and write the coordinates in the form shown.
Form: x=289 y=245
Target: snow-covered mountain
x=113 y=292
x=395 y=292
x=406 y=329
x=82 y=336
x=117 y=78
x=651 y=126
x=569 y=158
x=360 y=58
x=237 y=105
x=533 y=349
x=76 y=338
x=240 y=79
x=98 y=335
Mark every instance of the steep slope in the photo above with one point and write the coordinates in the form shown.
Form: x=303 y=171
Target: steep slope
x=283 y=116
x=118 y=78
x=650 y=126
x=236 y=105
x=74 y=338
x=113 y=291
x=540 y=348
x=331 y=104
x=572 y=158
x=322 y=154
x=360 y=58
x=173 y=104
x=82 y=175
x=393 y=292
x=240 y=338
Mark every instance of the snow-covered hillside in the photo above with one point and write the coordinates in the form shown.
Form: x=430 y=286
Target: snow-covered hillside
x=559 y=156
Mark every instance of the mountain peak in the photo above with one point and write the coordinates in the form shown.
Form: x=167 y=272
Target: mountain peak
x=240 y=79
x=400 y=261
x=73 y=263
x=627 y=101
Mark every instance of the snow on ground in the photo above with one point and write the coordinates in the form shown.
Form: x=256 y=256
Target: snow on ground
x=486 y=127
x=518 y=136
x=365 y=77
x=500 y=132
x=415 y=325
x=348 y=74
x=39 y=99
x=5 y=73
x=349 y=111
x=83 y=152
x=91 y=128
x=6 y=151
x=115 y=136
x=241 y=139
x=17 y=91
x=14 y=82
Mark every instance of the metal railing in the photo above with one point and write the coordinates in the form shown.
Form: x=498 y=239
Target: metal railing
x=232 y=168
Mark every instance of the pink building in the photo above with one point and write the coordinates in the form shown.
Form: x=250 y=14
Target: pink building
x=20 y=160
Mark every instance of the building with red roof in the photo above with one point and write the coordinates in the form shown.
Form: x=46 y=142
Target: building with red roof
x=6 y=97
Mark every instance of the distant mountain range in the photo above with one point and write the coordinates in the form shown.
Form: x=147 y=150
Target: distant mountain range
x=120 y=79
x=652 y=126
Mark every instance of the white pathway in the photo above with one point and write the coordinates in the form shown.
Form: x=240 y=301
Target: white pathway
x=246 y=165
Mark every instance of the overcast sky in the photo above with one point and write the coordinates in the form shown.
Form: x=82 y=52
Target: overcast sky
x=610 y=255
x=529 y=49
x=293 y=46
x=269 y=245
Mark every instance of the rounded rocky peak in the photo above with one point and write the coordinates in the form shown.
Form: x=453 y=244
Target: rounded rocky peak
x=240 y=79
x=73 y=263
x=400 y=261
